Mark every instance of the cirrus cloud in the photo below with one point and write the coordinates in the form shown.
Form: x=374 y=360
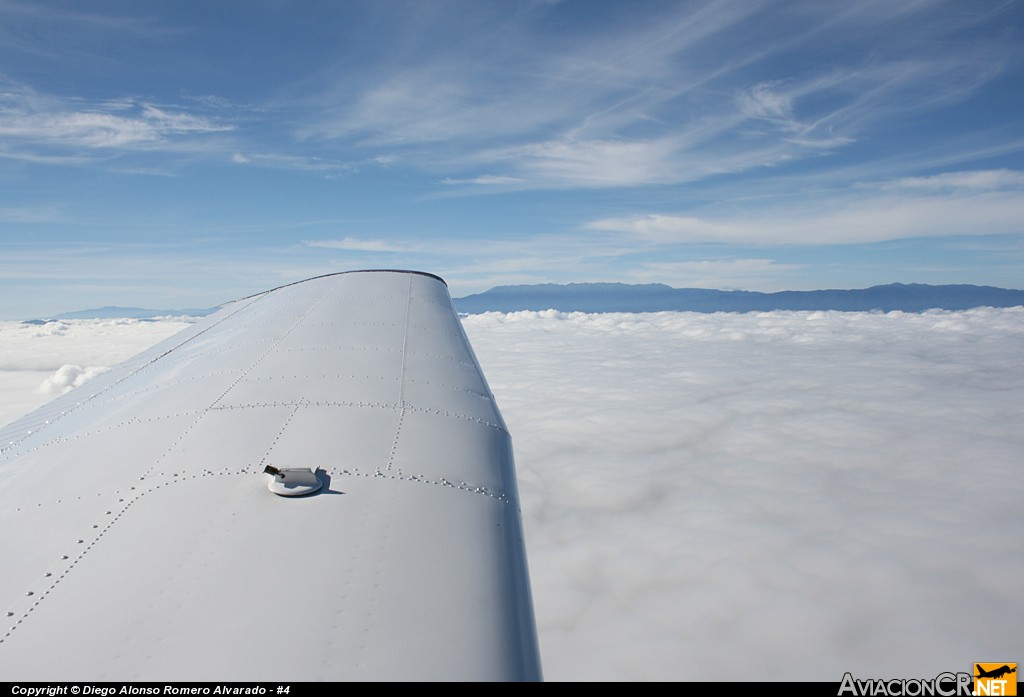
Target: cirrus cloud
x=42 y=125
x=955 y=203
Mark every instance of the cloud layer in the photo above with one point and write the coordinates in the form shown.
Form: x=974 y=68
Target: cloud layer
x=800 y=494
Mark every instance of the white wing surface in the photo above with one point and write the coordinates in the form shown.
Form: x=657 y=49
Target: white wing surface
x=140 y=540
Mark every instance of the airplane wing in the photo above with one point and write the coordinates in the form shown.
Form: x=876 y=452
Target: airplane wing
x=140 y=540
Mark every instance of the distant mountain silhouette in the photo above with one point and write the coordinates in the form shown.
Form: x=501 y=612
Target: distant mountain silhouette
x=656 y=297
x=112 y=312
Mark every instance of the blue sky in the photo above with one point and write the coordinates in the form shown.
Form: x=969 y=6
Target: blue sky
x=177 y=154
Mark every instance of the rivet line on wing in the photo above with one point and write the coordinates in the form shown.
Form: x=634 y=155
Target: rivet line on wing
x=87 y=542
x=241 y=376
x=298 y=404
x=435 y=330
x=302 y=349
x=371 y=405
x=322 y=376
x=174 y=443
x=352 y=376
x=394 y=443
x=256 y=405
x=273 y=345
x=405 y=345
x=135 y=420
x=422 y=479
x=386 y=349
x=164 y=385
x=351 y=323
x=456 y=388
x=306 y=403
x=456 y=415
x=178 y=478
x=73 y=563
x=401 y=380
x=263 y=460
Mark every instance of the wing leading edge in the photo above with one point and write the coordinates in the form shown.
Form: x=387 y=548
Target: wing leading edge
x=141 y=541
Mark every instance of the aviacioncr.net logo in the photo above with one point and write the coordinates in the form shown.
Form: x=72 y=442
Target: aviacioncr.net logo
x=942 y=685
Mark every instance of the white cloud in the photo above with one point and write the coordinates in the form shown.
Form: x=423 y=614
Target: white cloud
x=486 y=180
x=958 y=203
x=68 y=377
x=671 y=228
x=712 y=273
x=42 y=159
x=763 y=102
x=31 y=121
x=307 y=163
x=38 y=214
x=705 y=489
x=102 y=130
x=977 y=180
x=357 y=245
x=594 y=162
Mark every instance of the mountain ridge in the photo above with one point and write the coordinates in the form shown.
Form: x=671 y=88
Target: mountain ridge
x=118 y=312
x=658 y=297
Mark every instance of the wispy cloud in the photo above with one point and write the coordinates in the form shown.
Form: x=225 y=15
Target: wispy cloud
x=980 y=181
x=499 y=97
x=37 y=214
x=296 y=162
x=32 y=120
x=354 y=244
x=546 y=101
x=669 y=97
x=49 y=32
x=486 y=180
x=592 y=162
x=764 y=102
x=43 y=159
x=713 y=273
x=962 y=203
